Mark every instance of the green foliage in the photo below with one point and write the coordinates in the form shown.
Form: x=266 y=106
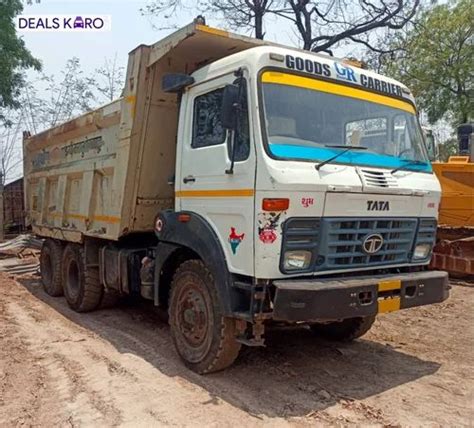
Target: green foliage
x=435 y=59
x=447 y=149
x=14 y=57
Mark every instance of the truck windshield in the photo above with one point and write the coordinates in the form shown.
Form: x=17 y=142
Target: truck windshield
x=305 y=116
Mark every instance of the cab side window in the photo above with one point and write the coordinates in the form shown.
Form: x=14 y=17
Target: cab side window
x=207 y=125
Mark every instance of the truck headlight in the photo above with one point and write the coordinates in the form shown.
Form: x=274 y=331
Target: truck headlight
x=297 y=260
x=422 y=251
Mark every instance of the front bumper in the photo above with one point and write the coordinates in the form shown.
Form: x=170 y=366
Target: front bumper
x=334 y=299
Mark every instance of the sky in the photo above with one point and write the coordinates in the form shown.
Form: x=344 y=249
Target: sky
x=129 y=29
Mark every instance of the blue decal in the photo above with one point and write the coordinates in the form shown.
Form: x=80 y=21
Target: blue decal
x=351 y=158
x=345 y=72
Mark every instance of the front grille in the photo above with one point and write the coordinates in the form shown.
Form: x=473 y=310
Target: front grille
x=342 y=239
x=302 y=233
x=426 y=231
x=337 y=243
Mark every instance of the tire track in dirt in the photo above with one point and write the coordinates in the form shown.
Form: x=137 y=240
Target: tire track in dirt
x=67 y=376
x=410 y=370
x=85 y=399
x=21 y=373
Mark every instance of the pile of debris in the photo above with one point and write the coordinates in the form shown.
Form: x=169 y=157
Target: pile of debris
x=20 y=255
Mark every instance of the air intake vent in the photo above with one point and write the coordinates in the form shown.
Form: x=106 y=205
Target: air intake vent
x=378 y=178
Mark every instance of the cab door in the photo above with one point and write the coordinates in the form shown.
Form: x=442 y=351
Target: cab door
x=224 y=200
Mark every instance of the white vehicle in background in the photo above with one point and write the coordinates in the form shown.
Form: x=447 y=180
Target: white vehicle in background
x=236 y=183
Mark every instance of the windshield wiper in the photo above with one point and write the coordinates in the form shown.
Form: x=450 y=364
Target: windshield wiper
x=408 y=163
x=347 y=148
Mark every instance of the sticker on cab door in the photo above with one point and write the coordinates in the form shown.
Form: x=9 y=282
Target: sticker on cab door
x=267 y=225
x=235 y=239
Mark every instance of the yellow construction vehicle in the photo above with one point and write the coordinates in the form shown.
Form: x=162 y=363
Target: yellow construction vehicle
x=454 y=250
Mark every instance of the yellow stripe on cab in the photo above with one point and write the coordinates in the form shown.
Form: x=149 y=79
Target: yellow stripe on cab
x=230 y=193
x=334 y=88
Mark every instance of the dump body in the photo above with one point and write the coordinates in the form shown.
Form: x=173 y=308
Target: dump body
x=109 y=172
x=457 y=182
x=454 y=250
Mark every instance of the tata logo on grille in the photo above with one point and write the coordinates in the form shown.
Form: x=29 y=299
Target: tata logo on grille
x=372 y=243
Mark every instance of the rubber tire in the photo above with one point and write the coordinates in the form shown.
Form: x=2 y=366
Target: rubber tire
x=86 y=295
x=51 y=267
x=345 y=330
x=224 y=348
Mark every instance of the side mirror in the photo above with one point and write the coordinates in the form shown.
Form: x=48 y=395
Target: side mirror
x=176 y=82
x=431 y=146
x=230 y=100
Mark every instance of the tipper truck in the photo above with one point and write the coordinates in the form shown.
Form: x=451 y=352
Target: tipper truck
x=454 y=248
x=238 y=183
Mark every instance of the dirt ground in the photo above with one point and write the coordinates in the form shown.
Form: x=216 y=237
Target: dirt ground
x=117 y=367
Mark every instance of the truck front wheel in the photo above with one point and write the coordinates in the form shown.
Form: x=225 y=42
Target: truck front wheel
x=345 y=330
x=50 y=266
x=203 y=337
x=82 y=287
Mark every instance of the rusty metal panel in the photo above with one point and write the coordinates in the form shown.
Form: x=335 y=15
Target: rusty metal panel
x=62 y=167
x=13 y=206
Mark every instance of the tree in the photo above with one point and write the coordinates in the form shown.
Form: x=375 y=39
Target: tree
x=51 y=100
x=435 y=60
x=324 y=25
x=321 y=25
x=238 y=14
x=108 y=80
x=10 y=152
x=246 y=14
x=14 y=57
x=448 y=148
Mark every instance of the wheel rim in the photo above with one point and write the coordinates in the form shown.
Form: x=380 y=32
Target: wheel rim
x=46 y=268
x=193 y=321
x=73 y=278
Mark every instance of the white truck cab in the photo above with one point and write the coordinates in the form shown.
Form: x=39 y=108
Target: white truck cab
x=238 y=183
x=298 y=111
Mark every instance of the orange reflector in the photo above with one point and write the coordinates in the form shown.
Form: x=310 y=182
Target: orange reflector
x=274 y=204
x=184 y=218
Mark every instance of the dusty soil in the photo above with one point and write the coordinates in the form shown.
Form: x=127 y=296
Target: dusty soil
x=118 y=367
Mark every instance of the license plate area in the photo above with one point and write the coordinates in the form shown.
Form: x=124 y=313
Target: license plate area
x=389 y=296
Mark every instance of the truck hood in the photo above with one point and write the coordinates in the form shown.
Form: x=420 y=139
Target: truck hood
x=292 y=175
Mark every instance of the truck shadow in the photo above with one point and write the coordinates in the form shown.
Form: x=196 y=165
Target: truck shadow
x=294 y=375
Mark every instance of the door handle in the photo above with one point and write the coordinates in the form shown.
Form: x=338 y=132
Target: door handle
x=189 y=179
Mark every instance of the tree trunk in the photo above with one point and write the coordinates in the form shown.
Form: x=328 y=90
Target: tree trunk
x=259 y=25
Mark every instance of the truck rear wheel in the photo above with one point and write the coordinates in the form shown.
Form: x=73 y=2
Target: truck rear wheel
x=345 y=330
x=203 y=337
x=50 y=266
x=82 y=287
